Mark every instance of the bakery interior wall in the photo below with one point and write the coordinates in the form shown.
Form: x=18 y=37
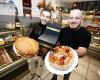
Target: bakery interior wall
x=7 y=11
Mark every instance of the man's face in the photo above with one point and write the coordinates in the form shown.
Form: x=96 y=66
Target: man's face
x=45 y=17
x=75 y=18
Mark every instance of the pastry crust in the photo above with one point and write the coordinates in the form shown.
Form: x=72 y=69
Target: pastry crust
x=26 y=46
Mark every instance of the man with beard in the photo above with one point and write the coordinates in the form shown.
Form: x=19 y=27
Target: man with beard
x=74 y=36
x=37 y=28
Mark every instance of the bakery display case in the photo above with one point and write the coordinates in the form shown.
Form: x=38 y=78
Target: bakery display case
x=92 y=24
x=94 y=49
x=11 y=65
x=95 y=42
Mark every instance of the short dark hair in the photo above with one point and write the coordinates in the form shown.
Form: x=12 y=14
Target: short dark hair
x=46 y=9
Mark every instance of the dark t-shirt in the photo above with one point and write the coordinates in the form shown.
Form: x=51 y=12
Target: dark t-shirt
x=75 y=38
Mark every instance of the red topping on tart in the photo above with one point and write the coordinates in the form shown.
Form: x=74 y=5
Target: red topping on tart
x=61 y=55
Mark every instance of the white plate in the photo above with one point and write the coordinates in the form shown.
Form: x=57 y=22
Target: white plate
x=61 y=72
x=15 y=50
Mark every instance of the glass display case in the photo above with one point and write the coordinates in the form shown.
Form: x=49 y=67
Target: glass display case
x=95 y=42
x=11 y=65
x=94 y=49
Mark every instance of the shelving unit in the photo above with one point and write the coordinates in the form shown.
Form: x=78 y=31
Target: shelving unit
x=9 y=32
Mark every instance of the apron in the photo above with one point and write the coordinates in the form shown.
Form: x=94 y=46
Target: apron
x=35 y=67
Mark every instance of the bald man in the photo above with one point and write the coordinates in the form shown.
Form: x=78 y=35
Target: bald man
x=75 y=36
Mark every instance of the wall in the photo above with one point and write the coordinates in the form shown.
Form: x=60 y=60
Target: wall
x=6 y=9
x=18 y=4
x=35 y=10
x=7 y=12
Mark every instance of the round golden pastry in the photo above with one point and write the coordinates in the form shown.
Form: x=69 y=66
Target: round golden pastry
x=26 y=46
x=61 y=57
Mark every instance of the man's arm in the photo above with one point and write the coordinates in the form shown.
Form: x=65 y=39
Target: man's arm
x=81 y=51
x=84 y=44
x=31 y=30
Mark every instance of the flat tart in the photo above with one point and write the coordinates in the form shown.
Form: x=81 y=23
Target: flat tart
x=61 y=57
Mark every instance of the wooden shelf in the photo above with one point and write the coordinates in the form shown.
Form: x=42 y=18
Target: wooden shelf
x=8 y=32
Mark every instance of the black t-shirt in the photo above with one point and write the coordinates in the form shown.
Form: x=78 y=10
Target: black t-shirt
x=75 y=38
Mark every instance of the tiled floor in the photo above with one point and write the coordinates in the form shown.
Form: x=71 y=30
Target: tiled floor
x=87 y=70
